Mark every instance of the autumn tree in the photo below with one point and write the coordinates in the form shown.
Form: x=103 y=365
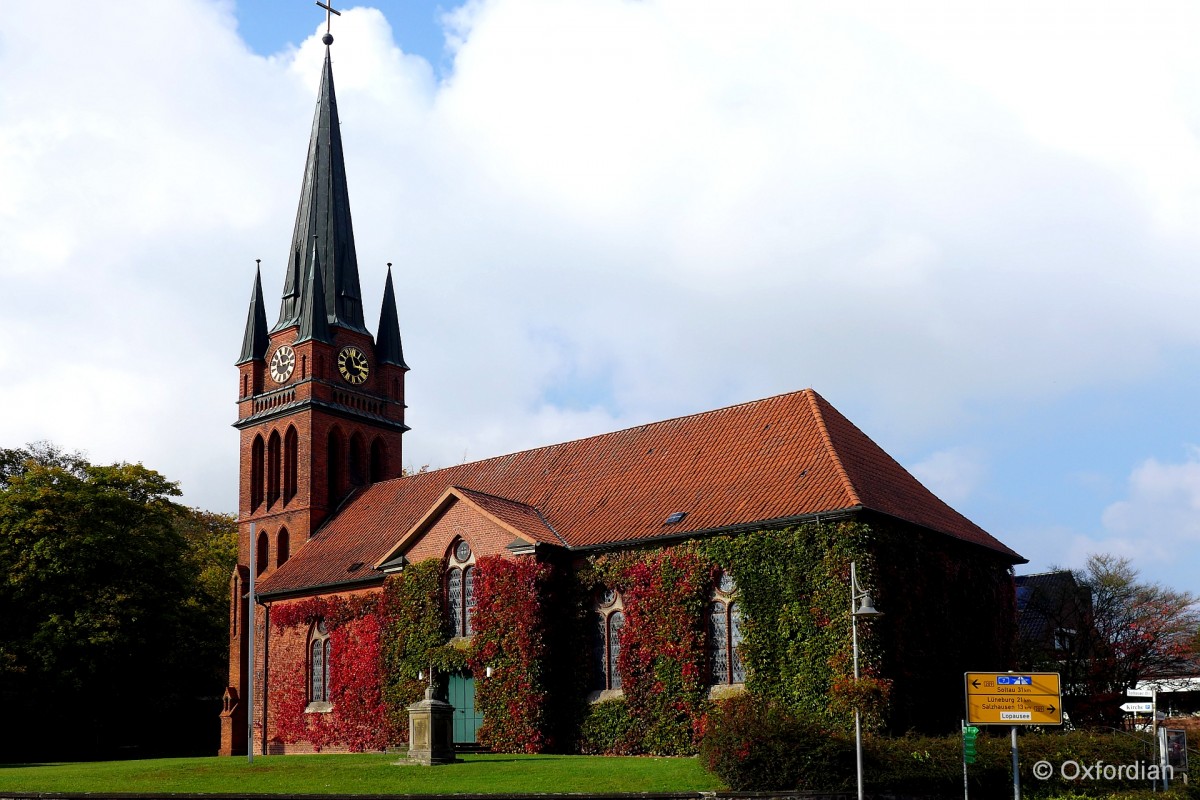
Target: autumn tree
x=1103 y=629
x=114 y=619
x=1143 y=630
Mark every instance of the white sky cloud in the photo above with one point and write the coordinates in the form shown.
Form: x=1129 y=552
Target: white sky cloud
x=953 y=474
x=609 y=213
x=1155 y=523
x=1162 y=509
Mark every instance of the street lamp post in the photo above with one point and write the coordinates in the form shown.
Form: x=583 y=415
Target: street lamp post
x=865 y=609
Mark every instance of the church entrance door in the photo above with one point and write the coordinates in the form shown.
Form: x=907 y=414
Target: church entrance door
x=461 y=694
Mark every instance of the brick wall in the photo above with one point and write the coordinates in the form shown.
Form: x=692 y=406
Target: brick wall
x=460 y=520
x=278 y=653
x=315 y=378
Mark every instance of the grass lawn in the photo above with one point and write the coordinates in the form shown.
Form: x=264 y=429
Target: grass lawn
x=364 y=774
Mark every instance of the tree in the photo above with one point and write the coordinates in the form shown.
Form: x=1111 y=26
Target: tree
x=1104 y=630
x=1142 y=630
x=113 y=619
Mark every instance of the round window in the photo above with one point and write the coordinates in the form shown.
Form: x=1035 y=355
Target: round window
x=609 y=597
x=462 y=550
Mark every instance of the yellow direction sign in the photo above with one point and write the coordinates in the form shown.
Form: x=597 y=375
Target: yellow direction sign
x=1013 y=698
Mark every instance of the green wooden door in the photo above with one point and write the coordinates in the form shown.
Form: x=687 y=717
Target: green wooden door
x=461 y=694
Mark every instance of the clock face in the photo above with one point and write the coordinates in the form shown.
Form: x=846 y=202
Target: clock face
x=352 y=363
x=282 y=363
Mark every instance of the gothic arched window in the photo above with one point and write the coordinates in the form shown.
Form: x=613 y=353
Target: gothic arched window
x=724 y=635
x=319 y=652
x=260 y=558
x=454 y=604
x=468 y=600
x=606 y=641
x=357 y=458
x=616 y=621
x=274 y=458
x=333 y=466
x=378 y=470
x=283 y=547
x=291 y=447
x=460 y=588
x=256 y=472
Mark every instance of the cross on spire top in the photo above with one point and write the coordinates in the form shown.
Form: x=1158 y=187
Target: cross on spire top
x=329 y=11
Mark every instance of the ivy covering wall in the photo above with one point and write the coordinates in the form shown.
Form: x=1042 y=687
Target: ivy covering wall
x=510 y=639
x=949 y=608
x=794 y=591
x=532 y=621
x=662 y=658
x=358 y=720
x=413 y=632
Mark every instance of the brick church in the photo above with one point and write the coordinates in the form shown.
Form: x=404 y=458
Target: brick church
x=327 y=517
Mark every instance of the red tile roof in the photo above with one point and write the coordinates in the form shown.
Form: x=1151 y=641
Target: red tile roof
x=521 y=519
x=766 y=461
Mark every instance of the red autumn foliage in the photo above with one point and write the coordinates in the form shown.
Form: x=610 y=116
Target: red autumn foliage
x=357 y=720
x=509 y=624
x=662 y=659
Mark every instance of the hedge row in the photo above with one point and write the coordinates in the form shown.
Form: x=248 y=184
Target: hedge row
x=757 y=746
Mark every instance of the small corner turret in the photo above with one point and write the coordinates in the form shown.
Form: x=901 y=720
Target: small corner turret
x=388 y=348
x=255 y=339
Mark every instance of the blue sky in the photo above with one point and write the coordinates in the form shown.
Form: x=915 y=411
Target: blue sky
x=273 y=26
x=974 y=230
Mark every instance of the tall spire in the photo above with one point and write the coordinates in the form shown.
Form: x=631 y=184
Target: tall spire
x=324 y=212
x=387 y=343
x=313 y=322
x=254 y=342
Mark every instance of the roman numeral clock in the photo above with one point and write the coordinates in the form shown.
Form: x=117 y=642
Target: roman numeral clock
x=353 y=365
x=282 y=364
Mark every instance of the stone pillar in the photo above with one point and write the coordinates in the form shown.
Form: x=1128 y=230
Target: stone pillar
x=430 y=732
x=233 y=725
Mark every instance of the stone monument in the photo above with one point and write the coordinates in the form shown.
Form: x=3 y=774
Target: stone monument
x=430 y=730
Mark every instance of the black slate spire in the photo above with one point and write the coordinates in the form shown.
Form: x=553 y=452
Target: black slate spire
x=314 y=324
x=324 y=212
x=387 y=345
x=254 y=342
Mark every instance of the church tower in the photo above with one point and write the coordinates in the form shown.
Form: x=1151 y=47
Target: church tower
x=320 y=401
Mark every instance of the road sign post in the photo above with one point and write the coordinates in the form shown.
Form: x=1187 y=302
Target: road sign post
x=1013 y=698
x=1138 y=708
x=1143 y=708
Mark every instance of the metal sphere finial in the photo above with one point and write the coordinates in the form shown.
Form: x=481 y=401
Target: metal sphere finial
x=329 y=12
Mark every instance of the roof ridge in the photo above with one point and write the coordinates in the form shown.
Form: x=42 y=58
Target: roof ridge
x=652 y=424
x=813 y=397
x=462 y=488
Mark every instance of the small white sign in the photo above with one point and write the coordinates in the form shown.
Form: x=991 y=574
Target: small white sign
x=1140 y=692
x=1016 y=715
x=1138 y=708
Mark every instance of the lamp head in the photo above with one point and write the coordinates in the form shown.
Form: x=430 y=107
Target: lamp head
x=866 y=608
